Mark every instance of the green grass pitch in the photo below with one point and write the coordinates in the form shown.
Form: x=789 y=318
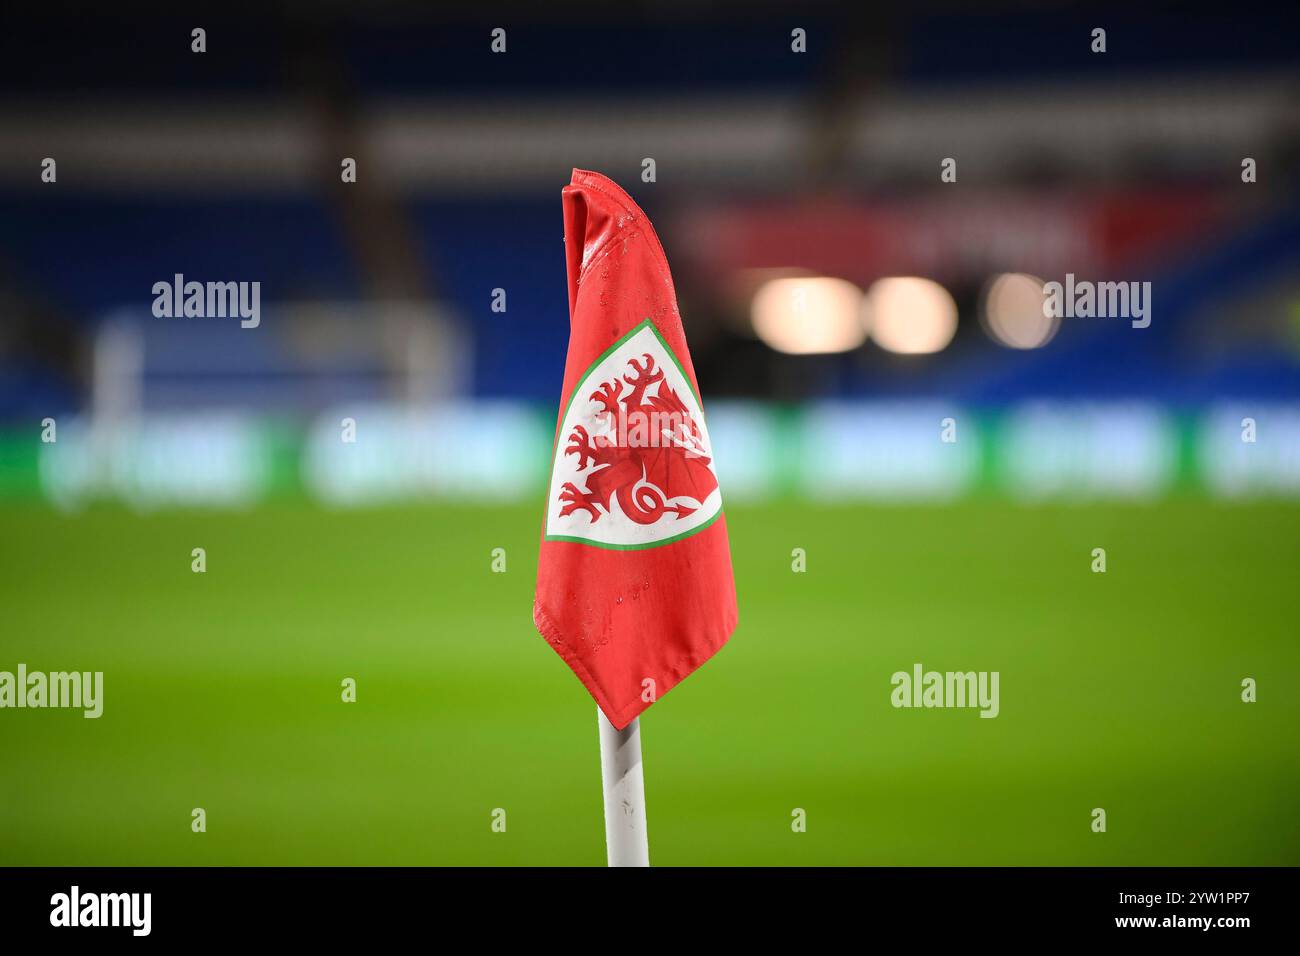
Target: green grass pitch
x=222 y=690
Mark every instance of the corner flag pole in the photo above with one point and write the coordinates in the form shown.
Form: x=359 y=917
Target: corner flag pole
x=626 y=841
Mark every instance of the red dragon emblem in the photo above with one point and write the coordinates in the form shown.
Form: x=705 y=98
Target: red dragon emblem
x=653 y=462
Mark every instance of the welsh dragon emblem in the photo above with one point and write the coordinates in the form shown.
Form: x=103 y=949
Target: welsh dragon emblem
x=648 y=452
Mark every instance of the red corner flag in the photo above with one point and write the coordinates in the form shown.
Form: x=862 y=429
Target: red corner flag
x=634 y=585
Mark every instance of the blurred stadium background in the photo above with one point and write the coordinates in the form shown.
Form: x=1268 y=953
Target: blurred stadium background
x=778 y=178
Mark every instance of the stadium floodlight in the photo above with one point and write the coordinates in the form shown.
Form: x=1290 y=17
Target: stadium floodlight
x=1012 y=311
x=910 y=315
x=808 y=315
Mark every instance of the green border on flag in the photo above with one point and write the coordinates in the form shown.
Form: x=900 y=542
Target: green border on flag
x=647 y=322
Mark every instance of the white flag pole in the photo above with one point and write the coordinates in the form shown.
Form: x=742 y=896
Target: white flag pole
x=626 y=840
